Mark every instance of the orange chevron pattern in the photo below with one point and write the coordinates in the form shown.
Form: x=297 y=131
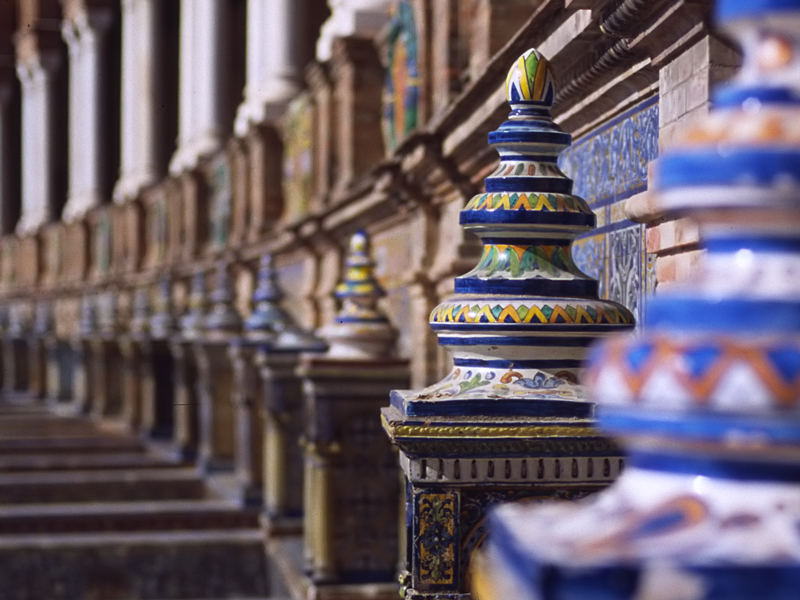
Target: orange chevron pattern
x=667 y=355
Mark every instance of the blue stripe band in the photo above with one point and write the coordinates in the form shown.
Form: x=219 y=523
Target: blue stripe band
x=565 y=363
x=696 y=426
x=728 y=315
x=757 y=244
x=710 y=466
x=578 y=288
x=555 y=185
x=527 y=217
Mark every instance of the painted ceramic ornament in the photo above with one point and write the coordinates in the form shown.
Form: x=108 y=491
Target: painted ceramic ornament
x=270 y=323
x=707 y=400
x=360 y=329
x=87 y=323
x=519 y=323
x=140 y=314
x=223 y=317
x=43 y=318
x=162 y=322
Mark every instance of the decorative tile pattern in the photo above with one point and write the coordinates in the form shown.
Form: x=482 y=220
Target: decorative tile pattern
x=608 y=166
x=437 y=537
x=610 y=163
x=297 y=161
x=219 y=190
x=401 y=90
x=624 y=267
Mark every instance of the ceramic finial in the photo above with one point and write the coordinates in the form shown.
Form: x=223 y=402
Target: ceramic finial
x=191 y=321
x=162 y=321
x=87 y=324
x=270 y=322
x=525 y=283
x=223 y=317
x=361 y=328
x=140 y=317
x=530 y=79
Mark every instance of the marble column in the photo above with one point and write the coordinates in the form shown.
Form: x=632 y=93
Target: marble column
x=204 y=76
x=352 y=496
x=86 y=36
x=41 y=106
x=145 y=70
x=274 y=60
x=362 y=18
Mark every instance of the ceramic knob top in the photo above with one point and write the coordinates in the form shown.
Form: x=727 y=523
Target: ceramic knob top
x=530 y=79
x=359 y=280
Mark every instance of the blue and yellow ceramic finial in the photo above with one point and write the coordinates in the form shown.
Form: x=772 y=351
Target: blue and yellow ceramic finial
x=530 y=79
x=360 y=328
x=525 y=286
x=269 y=322
x=359 y=280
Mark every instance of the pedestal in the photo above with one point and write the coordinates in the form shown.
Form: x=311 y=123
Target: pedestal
x=185 y=408
x=215 y=444
x=131 y=381
x=351 y=515
x=284 y=421
x=60 y=369
x=82 y=380
x=15 y=364
x=37 y=367
x=249 y=445
x=457 y=468
x=157 y=393
x=106 y=391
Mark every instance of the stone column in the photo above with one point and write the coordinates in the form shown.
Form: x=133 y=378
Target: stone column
x=85 y=35
x=41 y=150
x=362 y=18
x=204 y=30
x=274 y=60
x=350 y=469
x=215 y=438
x=142 y=97
x=510 y=420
